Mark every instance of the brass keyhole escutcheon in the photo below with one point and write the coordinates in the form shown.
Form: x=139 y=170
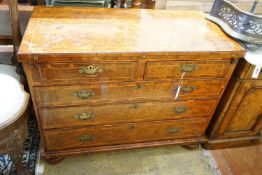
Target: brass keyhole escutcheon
x=132 y=126
x=138 y=86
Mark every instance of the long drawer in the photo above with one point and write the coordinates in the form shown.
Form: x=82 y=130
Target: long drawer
x=120 y=113
x=124 y=133
x=88 y=71
x=122 y=92
x=191 y=69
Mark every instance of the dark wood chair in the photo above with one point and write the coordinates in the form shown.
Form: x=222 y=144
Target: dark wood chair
x=14 y=102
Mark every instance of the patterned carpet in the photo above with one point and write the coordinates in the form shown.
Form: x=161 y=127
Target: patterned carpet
x=30 y=154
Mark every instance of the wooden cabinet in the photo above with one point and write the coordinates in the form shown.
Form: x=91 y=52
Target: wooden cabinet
x=238 y=119
x=121 y=83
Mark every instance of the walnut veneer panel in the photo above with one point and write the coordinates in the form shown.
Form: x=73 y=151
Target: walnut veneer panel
x=120 y=113
x=174 y=69
x=238 y=118
x=124 y=133
x=120 y=71
x=121 y=92
x=120 y=31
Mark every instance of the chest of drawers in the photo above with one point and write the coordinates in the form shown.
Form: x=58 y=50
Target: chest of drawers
x=134 y=78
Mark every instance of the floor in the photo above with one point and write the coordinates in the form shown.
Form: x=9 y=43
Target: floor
x=239 y=161
x=167 y=160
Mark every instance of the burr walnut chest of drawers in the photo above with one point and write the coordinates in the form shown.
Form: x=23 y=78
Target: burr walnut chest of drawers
x=108 y=79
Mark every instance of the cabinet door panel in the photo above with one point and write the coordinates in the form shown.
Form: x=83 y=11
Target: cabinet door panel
x=246 y=110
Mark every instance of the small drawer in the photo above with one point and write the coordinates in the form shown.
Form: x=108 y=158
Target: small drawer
x=191 y=69
x=58 y=96
x=123 y=133
x=123 y=113
x=85 y=72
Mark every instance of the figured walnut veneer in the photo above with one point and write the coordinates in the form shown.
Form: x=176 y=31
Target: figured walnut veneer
x=106 y=79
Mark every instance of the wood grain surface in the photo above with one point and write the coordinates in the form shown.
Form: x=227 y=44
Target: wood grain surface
x=120 y=31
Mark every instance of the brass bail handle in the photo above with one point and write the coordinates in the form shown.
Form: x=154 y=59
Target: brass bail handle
x=180 y=110
x=187 y=67
x=188 y=89
x=84 y=94
x=90 y=70
x=85 y=116
x=86 y=138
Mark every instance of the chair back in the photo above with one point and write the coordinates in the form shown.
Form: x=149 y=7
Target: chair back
x=15 y=28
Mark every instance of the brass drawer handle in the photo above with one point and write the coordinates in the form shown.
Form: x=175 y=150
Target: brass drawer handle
x=180 y=110
x=85 y=116
x=84 y=94
x=86 y=138
x=187 y=67
x=138 y=86
x=188 y=89
x=90 y=70
x=173 y=130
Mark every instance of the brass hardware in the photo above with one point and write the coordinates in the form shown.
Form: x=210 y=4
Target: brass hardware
x=84 y=116
x=86 y=138
x=132 y=126
x=31 y=66
x=90 y=70
x=173 y=130
x=84 y=94
x=188 y=89
x=234 y=60
x=187 y=67
x=35 y=58
x=135 y=106
x=138 y=86
x=180 y=109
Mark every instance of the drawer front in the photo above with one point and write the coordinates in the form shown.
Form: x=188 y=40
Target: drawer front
x=120 y=113
x=192 y=69
x=124 y=133
x=85 y=72
x=107 y=93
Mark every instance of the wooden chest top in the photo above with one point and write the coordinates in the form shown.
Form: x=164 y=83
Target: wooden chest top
x=67 y=31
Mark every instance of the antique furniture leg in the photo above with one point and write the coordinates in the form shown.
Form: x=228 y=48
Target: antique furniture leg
x=136 y=4
x=122 y=3
x=191 y=146
x=53 y=160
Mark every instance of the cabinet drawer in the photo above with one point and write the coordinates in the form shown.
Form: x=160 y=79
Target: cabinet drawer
x=124 y=133
x=140 y=91
x=192 y=69
x=83 y=72
x=120 y=113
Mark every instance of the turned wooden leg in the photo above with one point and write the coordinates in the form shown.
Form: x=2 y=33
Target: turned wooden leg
x=122 y=3
x=15 y=149
x=53 y=160
x=191 y=146
x=136 y=4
